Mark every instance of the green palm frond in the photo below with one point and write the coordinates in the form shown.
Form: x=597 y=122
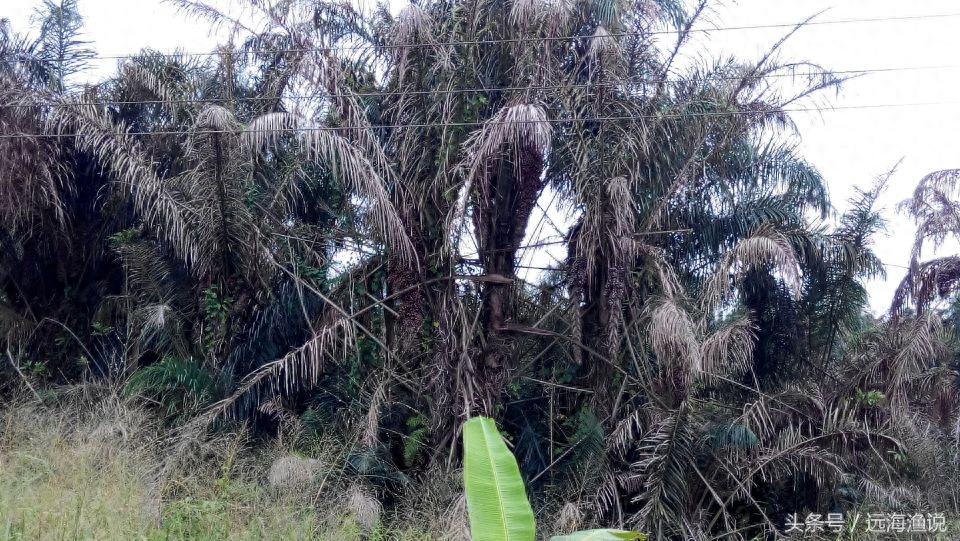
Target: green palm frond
x=181 y=386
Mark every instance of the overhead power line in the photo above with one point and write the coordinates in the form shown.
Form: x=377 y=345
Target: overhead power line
x=799 y=74
x=491 y=123
x=538 y=39
x=920 y=17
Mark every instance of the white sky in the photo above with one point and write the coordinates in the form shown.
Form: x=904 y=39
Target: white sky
x=849 y=146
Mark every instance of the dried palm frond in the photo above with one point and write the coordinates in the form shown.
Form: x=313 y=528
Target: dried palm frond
x=606 y=50
x=926 y=282
x=764 y=247
x=328 y=148
x=364 y=507
x=414 y=25
x=33 y=173
x=569 y=519
x=526 y=12
x=513 y=134
x=728 y=351
x=935 y=207
x=98 y=134
x=300 y=368
x=371 y=429
x=673 y=337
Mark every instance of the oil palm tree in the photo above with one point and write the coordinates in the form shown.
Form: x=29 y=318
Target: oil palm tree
x=328 y=214
x=933 y=207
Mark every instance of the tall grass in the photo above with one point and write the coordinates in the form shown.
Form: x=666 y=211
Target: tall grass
x=70 y=472
x=59 y=481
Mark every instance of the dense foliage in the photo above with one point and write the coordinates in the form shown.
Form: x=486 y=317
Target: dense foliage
x=326 y=226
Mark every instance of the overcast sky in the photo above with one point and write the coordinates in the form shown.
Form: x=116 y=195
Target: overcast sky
x=850 y=145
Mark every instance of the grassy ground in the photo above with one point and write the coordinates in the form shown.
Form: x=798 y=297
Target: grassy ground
x=81 y=468
x=66 y=476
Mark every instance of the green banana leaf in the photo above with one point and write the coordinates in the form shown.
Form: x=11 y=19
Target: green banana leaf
x=496 y=498
x=601 y=535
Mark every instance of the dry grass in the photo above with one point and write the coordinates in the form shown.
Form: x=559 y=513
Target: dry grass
x=63 y=482
x=88 y=472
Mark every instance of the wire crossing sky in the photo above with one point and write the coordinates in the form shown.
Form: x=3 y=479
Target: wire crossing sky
x=902 y=104
x=853 y=149
x=710 y=30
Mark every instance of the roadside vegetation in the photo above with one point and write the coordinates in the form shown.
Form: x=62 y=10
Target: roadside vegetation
x=257 y=293
x=87 y=468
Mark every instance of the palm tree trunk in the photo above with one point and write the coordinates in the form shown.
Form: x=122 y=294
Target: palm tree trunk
x=501 y=226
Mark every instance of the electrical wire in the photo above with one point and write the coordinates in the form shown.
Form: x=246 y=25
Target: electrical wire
x=491 y=122
x=540 y=39
x=798 y=75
